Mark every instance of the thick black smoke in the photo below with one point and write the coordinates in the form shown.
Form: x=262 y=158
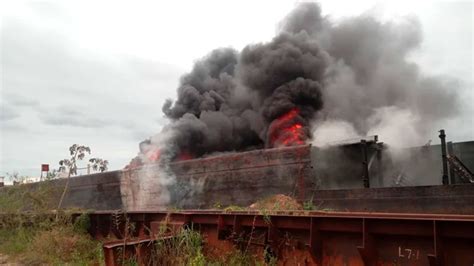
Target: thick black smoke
x=355 y=71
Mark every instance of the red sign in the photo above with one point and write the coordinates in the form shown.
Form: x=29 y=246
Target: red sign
x=45 y=167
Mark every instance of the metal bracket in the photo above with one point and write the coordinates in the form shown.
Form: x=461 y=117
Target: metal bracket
x=367 y=251
x=315 y=241
x=436 y=259
x=222 y=231
x=272 y=239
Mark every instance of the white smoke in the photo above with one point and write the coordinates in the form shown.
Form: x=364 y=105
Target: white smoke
x=331 y=131
x=393 y=125
x=149 y=186
x=396 y=127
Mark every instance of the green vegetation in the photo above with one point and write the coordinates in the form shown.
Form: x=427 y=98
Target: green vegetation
x=233 y=208
x=186 y=247
x=309 y=205
x=238 y=258
x=30 y=234
x=37 y=197
x=14 y=241
x=183 y=249
x=78 y=153
x=230 y=208
x=62 y=244
x=41 y=239
x=277 y=202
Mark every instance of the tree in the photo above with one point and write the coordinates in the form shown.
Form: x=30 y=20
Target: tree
x=16 y=178
x=51 y=175
x=78 y=153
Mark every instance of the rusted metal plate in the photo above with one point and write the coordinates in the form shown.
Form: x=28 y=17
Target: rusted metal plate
x=449 y=199
x=237 y=178
x=244 y=178
x=317 y=238
x=226 y=179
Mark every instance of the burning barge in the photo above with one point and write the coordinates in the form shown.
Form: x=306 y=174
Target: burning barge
x=353 y=176
x=366 y=211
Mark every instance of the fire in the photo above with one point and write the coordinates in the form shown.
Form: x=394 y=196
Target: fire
x=184 y=155
x=286 y=130
x=153 y=155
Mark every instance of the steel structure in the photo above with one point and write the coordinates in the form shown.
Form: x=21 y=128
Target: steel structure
x=298 y=237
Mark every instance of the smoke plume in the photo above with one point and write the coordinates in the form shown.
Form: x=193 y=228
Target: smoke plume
x=315 y=73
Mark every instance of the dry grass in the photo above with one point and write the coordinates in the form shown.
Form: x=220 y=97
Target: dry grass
x=277 y=202
x=64 y=245
x=34 y=240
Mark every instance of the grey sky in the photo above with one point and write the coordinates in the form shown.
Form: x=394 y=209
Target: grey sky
x=97 y=73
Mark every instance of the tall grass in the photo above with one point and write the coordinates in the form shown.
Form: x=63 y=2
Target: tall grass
x=186 y=248
x=41 y=239
x=183 y=248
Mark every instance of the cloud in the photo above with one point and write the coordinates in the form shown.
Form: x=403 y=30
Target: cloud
x=68 y=116
x=119 y=71
x=55 y=92
x=20 y=100
x=7 y=113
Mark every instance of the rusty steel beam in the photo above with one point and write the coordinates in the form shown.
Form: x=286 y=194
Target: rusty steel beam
x=314 y=238
x=444 y=159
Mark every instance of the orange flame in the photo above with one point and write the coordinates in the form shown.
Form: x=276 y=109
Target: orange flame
x=153 y=155
x=184 y=155
x=285 y=131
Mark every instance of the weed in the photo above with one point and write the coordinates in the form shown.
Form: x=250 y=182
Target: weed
x=174 y=208
x=181 y=249
x=237 y=258
x=15 y=241
x=308 y=205
x=28 y=197
x=269 y=257
x=127 y=261
x=38 y=238
x=62 y=245
x=241 y=258
x=266 y=217
x=277 y=202
x=82 y=223
x=327 y=209
x=233 y=208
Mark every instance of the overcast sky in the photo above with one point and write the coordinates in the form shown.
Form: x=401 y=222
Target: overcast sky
x=97 y=72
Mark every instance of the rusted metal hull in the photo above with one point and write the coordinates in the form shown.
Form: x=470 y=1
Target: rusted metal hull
x=228 y=179
x=332 y=178
x=302 y=238
x=448 y=199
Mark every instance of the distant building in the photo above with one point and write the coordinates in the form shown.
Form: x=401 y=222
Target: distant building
x=30 y=179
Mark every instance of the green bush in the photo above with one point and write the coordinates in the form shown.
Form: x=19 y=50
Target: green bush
x=38 y=238
x=63 y=245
